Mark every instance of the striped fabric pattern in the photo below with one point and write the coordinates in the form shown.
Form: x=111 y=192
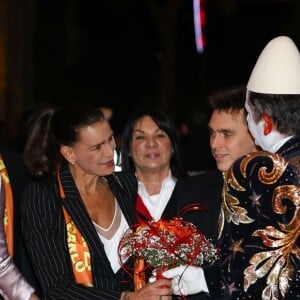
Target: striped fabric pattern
x=45 y=234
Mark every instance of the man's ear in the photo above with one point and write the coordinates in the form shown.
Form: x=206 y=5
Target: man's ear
x=68 y=154
x=268 y=123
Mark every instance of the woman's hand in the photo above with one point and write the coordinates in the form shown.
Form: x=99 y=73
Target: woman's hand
x=158 y=290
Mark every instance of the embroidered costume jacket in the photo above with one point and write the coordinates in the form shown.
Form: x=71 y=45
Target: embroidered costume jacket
x=260 y=225
x=46 y=237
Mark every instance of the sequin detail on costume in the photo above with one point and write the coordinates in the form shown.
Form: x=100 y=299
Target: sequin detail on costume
x=279 y=166
x=230 y=207
x=277 y=263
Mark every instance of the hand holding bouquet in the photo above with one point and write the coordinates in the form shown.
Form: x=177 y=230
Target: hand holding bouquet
x=166 y=244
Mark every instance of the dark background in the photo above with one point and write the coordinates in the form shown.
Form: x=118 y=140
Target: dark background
x=112 y=51
x=127 y=53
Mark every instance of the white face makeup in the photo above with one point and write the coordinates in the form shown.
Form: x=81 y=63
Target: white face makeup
x=266 y=142
x=256 y=129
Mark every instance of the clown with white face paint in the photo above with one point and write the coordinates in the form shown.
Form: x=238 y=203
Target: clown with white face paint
x=265 y=134
x=260 y=238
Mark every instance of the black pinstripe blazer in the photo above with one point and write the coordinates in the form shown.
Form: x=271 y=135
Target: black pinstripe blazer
x=46 y=239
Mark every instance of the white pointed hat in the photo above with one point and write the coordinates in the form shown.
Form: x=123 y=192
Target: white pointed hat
x=277 y=70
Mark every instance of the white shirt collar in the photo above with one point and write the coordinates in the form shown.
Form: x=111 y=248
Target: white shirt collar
x=278 y=145
x=156 y=204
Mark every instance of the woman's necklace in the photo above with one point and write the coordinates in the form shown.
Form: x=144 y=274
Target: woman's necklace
x=110 y=231
x=112 y=222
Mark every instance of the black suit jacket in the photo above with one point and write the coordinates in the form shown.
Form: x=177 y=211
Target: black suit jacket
x=46 y=238
x=204 y=189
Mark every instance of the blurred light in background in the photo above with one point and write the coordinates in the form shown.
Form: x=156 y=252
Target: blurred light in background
x=199 y=24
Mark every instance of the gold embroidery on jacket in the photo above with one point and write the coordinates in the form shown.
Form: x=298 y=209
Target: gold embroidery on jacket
x=230 y=207
x=279 y=166
x=277 y=263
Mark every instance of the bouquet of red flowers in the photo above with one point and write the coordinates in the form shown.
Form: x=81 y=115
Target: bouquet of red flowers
x=165 y=244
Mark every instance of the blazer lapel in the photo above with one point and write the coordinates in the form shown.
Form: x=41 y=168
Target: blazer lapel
x=171 y=208
x=127 y=205
x=79 y=215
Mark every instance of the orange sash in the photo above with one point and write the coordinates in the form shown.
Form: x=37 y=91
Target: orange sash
x=78 y=248
x=139 y=274
x=8 y=208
